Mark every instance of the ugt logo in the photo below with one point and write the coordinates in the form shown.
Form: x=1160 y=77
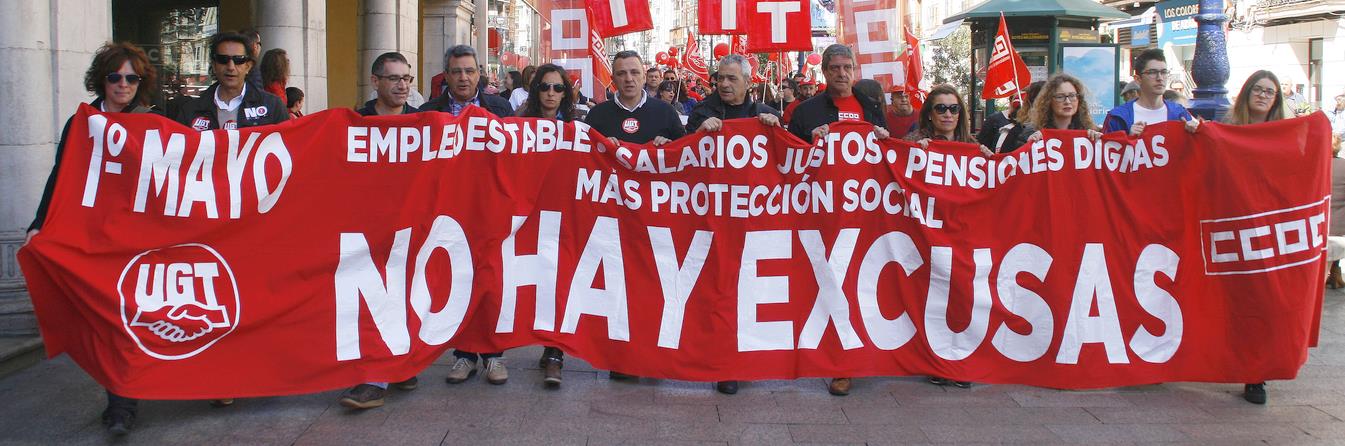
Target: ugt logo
x=182 y=299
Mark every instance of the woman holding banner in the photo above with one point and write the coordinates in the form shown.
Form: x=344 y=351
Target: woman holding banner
x=115 y=76
x=1259 y=100
x=550 y=96
x=1062 y=105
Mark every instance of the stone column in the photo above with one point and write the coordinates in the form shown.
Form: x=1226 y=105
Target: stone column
x=387 y=25
x=300 y=28
x=447 y=23
x=50 y=56
x=481 y=20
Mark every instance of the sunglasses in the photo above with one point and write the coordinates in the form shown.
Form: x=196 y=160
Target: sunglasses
x=947 y=108
x=224 y=59
x=115 y=78
x=558 y=88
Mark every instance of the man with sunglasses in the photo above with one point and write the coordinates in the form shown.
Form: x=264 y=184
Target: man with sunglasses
x=1151 y=74
x=231 y=103
x=463 y=78
x=840 y=102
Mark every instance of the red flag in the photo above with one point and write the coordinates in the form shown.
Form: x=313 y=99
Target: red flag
x=1006 y=73
x=692 y=61
x=915 y=70
x=722 y=16
x=602 y=67
x=568 y=40
x=872 y=29
x=616 y=17
x=738 y=44
x=779 y=25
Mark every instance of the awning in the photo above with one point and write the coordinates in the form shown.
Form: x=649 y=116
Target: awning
x=944 y=30
x=1145 y=18
x=991 y=10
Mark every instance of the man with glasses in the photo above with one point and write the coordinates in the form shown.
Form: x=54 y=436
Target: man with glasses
x=840 y=102
x=462 y=75
x=231 y=103
x=392 y=80
x=1151 y=74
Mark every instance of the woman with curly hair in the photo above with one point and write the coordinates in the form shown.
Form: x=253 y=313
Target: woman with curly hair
x=1062 y=104
x=275 y=72
x=124 y=82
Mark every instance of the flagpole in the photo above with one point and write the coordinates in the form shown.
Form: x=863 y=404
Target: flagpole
x=1013 y=64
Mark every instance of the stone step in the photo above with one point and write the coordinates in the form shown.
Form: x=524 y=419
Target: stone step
x=19 y=352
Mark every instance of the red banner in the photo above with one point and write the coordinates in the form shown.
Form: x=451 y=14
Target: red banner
x=779 y=25
x=722 y=16
x=617 y=17
x=1006 y=75
x=873 y=28
x=568 y=41
x=337 y=249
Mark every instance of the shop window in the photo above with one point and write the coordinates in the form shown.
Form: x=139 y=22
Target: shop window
x=175 y=36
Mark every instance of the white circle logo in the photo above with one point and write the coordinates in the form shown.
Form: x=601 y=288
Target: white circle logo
x=178 y=301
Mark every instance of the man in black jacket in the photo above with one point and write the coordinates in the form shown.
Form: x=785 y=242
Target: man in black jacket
x=391 y=78
x=463 y=76
x=839 y=102
x=730 y=102
x=634 y=116
x=232 y=103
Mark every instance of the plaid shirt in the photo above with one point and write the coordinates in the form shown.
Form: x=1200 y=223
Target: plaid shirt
x=455 y=106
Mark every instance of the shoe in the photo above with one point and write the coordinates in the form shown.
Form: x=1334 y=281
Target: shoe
x=551 y=373
x=1335 y=280
x=222 y=402
x=1254 y=393
x=119 y=421
x=496 y=373
x=948 y=382
x=363 y=396
x=618 y=376
x=839 y=386
x=727 y=387
x=462 y=369
x=409 y=384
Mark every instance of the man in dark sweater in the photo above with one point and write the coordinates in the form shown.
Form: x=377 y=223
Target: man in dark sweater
x=838 y=103
x=730 y=101
x=463 y=77
x=634 y=116
x=391 y=78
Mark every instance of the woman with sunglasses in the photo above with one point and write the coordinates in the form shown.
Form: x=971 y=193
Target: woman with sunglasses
x=1062 y=105
x=943 y=117
x=1259 y=100
x=124 y=81
x=550 y=97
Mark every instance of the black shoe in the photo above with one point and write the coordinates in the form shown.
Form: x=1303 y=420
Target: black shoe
x=618 y=376
x=1254 y=393
x=119 y=421
x=948 y=382
x=363 y=396
x=551 y=372
x=409 y=384
x=727 y=387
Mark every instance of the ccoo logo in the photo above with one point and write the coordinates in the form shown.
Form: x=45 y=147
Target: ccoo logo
x=178 y=301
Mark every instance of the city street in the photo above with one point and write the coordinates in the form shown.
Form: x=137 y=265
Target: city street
x=56 y=403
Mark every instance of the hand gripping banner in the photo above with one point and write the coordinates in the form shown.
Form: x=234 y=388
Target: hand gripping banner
x=337 y=249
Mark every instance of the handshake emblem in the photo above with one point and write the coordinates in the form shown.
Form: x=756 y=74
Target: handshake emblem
x=178 y=301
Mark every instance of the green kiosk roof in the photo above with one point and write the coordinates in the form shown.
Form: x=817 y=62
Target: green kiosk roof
x=1039 y=8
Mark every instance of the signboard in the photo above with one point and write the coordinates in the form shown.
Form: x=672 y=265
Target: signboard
x=1177 y=22
x=1096 y=65
x=1078 y=35
x=1139 y=36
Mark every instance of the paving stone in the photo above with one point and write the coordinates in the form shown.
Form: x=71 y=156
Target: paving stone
x=1057 y=398
x=1243 y=431
x=1151 y=415
x=1117 y=433
x=780 y=414
x=851 y=433
x=994 y=434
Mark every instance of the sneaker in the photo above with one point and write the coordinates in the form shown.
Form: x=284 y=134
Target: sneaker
x=948 y=382
x=409 y=384
x=118 y=420
x=727 y=387
x=551 y=373
x=462 y=369
x=495 y=371
x=839 y=386
x=1254 y=393
x=363 y=396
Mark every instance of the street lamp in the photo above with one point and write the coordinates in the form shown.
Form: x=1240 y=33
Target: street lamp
x=1209 y=66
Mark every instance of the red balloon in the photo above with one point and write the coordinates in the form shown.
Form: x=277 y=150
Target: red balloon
x=661 y=58
x=672 y=61
x=672 y=51
x=814 y=59
x=773 y=57
x=721 y=50
x=507 y=58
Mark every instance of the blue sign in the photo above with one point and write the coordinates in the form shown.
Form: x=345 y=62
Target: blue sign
x=1139 y=35
x=1177 y=22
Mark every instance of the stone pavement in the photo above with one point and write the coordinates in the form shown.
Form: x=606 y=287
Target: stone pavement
x=54 y=402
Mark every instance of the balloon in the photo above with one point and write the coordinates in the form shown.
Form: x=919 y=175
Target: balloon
x=661 y=58
x=721 y=50
x=672 y=61
x=773 y=57
x=672 y=51
x=814 y=59
x=507 y=58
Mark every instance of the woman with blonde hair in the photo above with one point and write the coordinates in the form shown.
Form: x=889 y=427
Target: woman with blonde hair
x=1061 y=105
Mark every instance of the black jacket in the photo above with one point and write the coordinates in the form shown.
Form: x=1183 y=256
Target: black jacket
x=60 y=153
x=820 y=110
x=259 y=108
x=369 y=110
x=713 y=107
x=492 y=103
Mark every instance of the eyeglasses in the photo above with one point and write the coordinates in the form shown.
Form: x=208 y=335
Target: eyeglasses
x=115 y=78
x=1066 y=97
x=558 y=88
x=947 y=108
x=224 y=59
x=395 y=79
x=1258 y=90
x=1156 y=73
